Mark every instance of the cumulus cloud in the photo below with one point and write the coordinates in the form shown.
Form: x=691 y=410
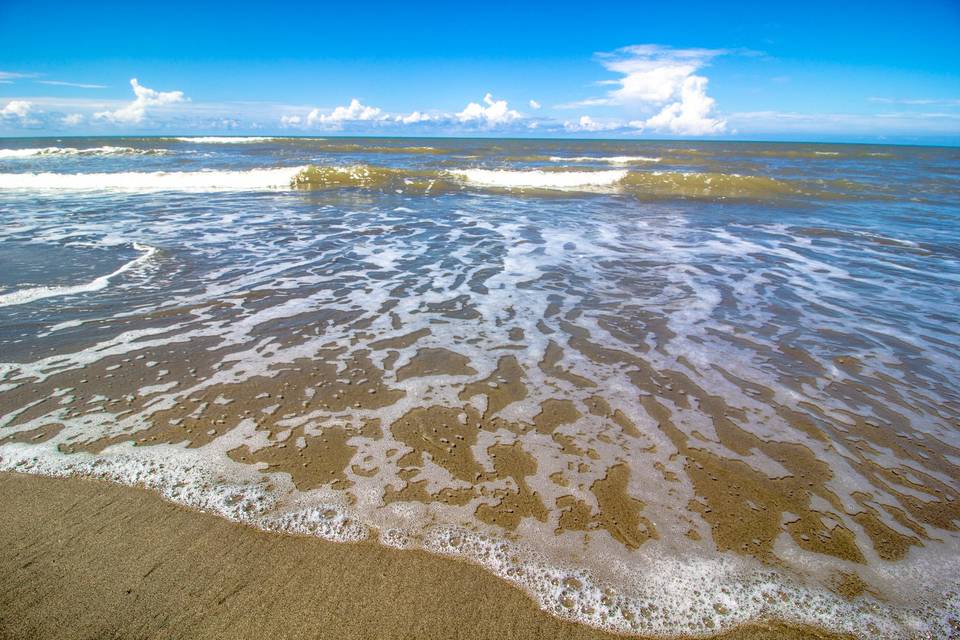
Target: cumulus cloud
x=136 y=111
x=17 y=109
x=496 y=112
x=586 y=123
x=534 y=104
x=691 y=115
x=415 y=117
x=662 y=82
x=72 y=119
x=19 y=112
x=354 y=112
x=290 y=121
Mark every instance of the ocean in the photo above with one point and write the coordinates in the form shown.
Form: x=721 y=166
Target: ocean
x=663 y=387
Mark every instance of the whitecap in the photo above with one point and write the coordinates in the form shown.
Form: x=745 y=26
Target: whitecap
x=154 y=180
x=608 y=159
x=536 y=179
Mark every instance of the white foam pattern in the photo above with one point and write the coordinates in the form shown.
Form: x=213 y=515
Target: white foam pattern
x=239 y=180
x=24 y=296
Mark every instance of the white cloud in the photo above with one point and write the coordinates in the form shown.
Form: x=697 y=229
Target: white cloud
x=79 y=85
x=136 y=111
x=354 y=112
x=586 y=123
x=534 y=104
x=691 y=114
x=415 y=118
x=19 y=109
x=664 y=80
x=290 y=121
x=495 y=113
x=20 y=112
x=72 y=119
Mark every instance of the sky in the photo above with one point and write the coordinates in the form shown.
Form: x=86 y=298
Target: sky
x=813 y=71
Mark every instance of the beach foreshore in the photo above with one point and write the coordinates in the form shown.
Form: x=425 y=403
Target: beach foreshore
x=83 y=558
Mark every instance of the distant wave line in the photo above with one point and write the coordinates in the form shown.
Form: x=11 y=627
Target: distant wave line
x=73 y=151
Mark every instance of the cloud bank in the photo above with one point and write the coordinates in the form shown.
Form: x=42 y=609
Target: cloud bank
x=488 y=114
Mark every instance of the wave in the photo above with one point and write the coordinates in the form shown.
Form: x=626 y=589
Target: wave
x=384 y=149
x=639 y=184
x=709 y=185
x=154 y=180
x=539 y=179
x=374 y=178
x=72 y=151
x=23 y=296
x=810 y=154
x=609 y=159
x=224 y=139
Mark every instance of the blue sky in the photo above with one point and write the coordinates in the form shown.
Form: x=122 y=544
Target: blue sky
x=847 y=71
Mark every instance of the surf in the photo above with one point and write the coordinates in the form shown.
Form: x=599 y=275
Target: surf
x=26 y=296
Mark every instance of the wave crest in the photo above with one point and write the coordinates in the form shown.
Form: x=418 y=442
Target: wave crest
x=73 y=151
x=153 y=180
x=607 y=159
x=224 y=139
x=656 y=185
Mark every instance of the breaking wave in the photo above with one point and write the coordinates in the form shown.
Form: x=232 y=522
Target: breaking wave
x=639 y=184
x=72 y=151
x=224 y=139
x=538 y=179
x=609 y=159
x=154 y=180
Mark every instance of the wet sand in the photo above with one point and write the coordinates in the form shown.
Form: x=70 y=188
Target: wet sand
x=87 y=559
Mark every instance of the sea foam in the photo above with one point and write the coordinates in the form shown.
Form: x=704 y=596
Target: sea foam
x=154 y=180
x=608 y=159
x=24 y=296
x=6 y=154
x=225 y=139
x=537 y=179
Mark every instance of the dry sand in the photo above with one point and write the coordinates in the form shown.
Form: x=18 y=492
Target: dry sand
x=87 y=559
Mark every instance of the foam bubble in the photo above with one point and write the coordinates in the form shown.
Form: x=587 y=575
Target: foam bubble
x=671 y=595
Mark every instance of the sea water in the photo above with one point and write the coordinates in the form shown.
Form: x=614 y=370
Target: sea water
x=664 y=387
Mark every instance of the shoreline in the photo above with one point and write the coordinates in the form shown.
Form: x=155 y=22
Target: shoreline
x=85 y=558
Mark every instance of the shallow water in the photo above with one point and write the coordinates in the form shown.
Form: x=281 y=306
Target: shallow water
x=664 y=387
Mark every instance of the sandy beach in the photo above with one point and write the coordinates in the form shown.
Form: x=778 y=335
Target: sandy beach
x=87 y=559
